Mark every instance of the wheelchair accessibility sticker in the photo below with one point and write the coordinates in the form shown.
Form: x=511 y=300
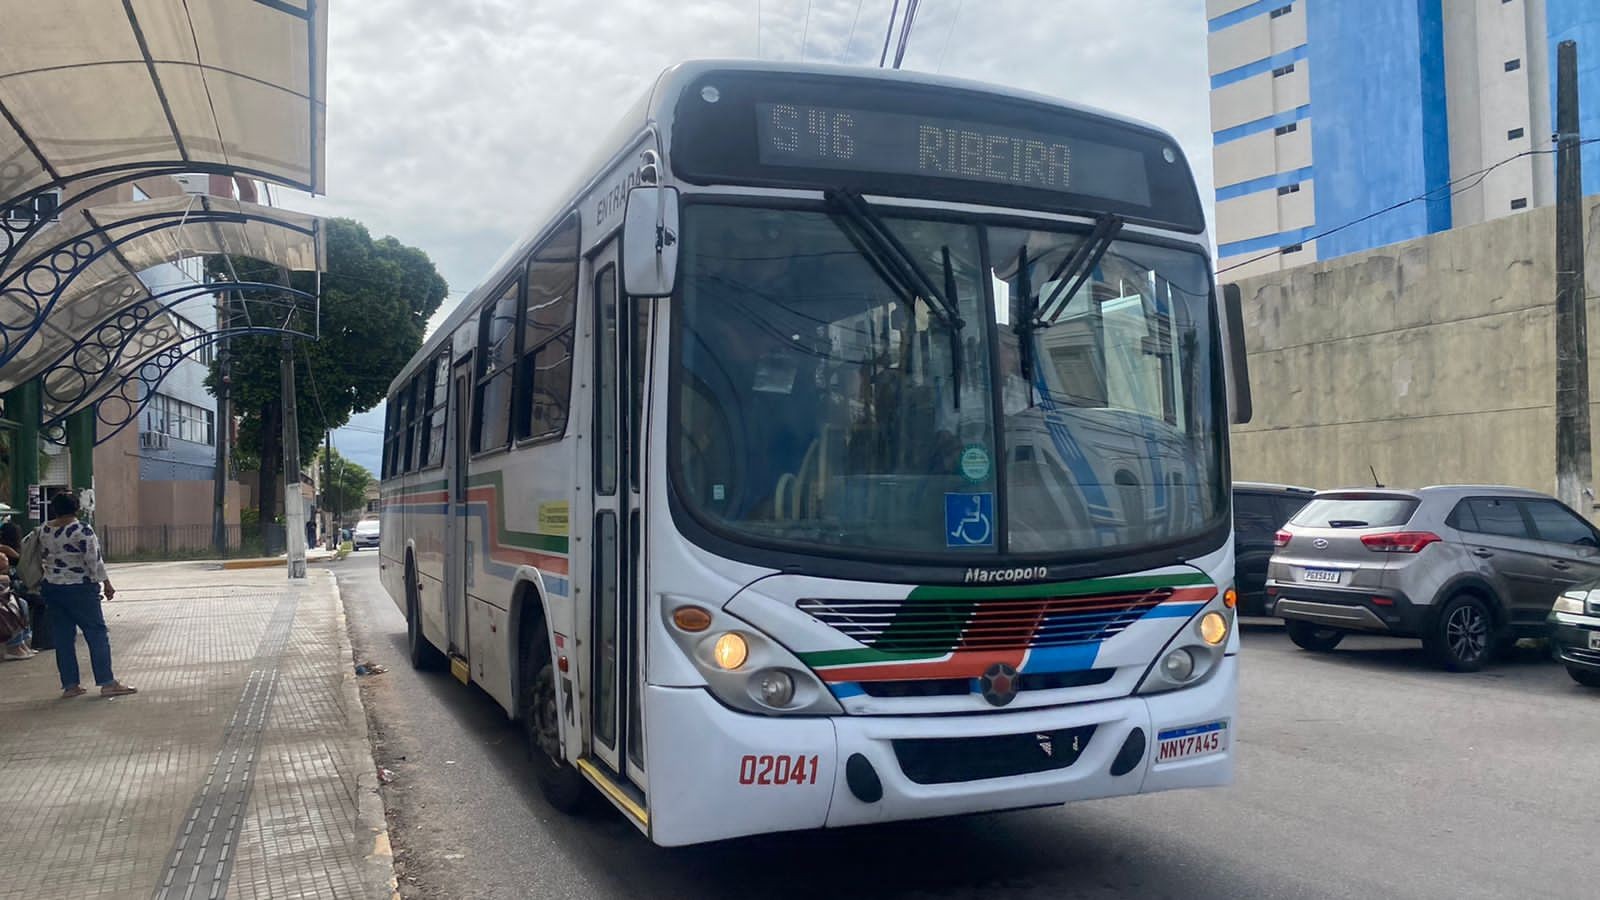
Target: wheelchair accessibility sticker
x=969 y=520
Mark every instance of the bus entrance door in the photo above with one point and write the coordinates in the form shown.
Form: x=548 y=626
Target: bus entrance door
x=620 y=340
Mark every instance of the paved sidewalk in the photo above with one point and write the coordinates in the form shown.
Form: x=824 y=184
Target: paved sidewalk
x=241 y=769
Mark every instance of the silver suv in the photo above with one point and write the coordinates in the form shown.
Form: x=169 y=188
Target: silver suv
x=1468 y=569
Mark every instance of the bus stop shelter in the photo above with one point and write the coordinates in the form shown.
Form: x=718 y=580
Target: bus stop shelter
x=95 y=95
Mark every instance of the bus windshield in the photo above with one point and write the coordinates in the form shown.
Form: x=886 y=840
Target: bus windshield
x=822 y=404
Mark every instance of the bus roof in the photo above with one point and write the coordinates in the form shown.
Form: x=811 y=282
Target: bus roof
x=654 y=109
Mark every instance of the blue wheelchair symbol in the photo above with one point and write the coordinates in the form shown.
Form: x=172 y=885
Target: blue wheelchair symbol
x=969 y=520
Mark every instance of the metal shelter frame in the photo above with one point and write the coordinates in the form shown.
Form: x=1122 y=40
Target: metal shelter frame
x=44 y=278
x=89 y=368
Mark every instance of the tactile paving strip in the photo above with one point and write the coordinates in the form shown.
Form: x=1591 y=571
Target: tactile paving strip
x=203 y=852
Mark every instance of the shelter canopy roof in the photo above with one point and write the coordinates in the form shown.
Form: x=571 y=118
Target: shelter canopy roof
x=97 y=86
x=110 y=245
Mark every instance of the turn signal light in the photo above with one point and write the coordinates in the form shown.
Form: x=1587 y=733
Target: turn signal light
x=1230 y=598
x=1399 y=541
x=1281 y=540
x=691 y=618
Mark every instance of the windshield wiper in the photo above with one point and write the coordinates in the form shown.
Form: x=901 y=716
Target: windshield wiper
x=1069 y=276
x=895 y=265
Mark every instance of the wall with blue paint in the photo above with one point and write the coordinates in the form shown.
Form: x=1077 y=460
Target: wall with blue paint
x=1579 y=20
x=1379 y=131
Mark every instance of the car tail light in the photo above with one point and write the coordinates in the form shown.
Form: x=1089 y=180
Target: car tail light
x=1281 y=540
x=1399 y=541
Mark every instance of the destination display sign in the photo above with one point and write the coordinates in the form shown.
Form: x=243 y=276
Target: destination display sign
x=811 y=137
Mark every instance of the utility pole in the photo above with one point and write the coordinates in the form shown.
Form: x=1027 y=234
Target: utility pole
x=294 y=506
x=327 y=479
x=1574 y=467
x=224 y=431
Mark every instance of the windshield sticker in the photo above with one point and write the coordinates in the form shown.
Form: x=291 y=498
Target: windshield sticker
x=774 y=376
x=975 y=464
x=969 y=520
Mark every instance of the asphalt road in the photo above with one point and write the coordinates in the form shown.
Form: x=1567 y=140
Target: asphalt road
x=1363 y=773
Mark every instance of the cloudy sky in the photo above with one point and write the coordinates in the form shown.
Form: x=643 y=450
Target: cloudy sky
x=454 y=126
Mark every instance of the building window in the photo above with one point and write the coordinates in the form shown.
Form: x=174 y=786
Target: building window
x=1520 y=203
x=178 y=419
x=1292 y=248
x=38 y=208
x=1282 y=11
x=1282 y=130
x=1283 y=70
x=1289 y=189
x=1514 y=134
x=1513 y=64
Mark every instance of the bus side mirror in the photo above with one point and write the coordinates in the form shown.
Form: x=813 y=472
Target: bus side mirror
x=650 y=242
x=1239 y=405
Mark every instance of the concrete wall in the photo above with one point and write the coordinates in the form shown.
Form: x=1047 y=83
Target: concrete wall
x=1431 y=360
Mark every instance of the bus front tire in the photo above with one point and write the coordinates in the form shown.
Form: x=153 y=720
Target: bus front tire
x=423 y=655
x=562 y=786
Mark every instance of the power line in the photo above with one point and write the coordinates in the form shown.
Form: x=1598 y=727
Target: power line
x=852 y=38
x=905 y=32
x=805 y=32
x=1477 y=178
x=888 y=34
x=947 y=35
x=758 y=29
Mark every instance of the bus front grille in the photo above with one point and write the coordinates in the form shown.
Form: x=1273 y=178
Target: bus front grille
x=941 y=626
x=947 y=760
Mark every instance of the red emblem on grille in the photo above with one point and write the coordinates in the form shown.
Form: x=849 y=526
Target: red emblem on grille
x=999 y=684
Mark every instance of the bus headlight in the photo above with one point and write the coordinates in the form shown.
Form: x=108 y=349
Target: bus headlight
x=1194 y=652
x=730 y=651
x=743 y=667
x=773 y=687
x=1178 y=665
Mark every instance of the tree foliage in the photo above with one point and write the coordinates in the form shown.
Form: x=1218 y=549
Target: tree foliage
x=377 y=296
x=345 y=482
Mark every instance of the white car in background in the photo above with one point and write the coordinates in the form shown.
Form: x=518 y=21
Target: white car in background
x=365 y=535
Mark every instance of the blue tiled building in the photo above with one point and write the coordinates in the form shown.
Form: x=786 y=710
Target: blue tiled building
x=1325 y=112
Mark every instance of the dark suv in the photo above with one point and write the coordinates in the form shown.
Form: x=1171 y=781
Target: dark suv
x=1259 y=510
x=1466 y=568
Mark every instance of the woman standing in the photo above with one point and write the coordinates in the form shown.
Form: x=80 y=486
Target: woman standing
x=10 y=551
x=74 y=573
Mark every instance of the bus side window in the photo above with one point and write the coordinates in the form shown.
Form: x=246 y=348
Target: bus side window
x=497 y=363
x=434 y=457
x=545 y=383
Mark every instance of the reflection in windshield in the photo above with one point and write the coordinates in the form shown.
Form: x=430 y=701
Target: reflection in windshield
x=817 y=402
x=1113 y=441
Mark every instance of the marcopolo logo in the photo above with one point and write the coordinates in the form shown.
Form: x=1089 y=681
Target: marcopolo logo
x=1003 y=576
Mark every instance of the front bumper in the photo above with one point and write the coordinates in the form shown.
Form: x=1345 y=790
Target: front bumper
x=1569 y=640
x=1352 y=610
x=702 y=757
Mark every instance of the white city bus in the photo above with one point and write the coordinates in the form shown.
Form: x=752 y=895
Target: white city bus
x=847 y=446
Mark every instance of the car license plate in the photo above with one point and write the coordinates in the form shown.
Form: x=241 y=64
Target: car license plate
x=1594 y=640
x=1321 y=576
x=1191 y=741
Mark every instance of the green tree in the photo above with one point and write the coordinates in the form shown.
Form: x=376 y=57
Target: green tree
x=345 y=483
x=377 y=296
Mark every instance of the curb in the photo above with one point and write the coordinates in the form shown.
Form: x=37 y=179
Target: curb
x=270 y=562
x=371 y=822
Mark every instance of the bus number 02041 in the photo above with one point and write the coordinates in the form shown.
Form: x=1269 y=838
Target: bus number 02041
x=778 y=770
